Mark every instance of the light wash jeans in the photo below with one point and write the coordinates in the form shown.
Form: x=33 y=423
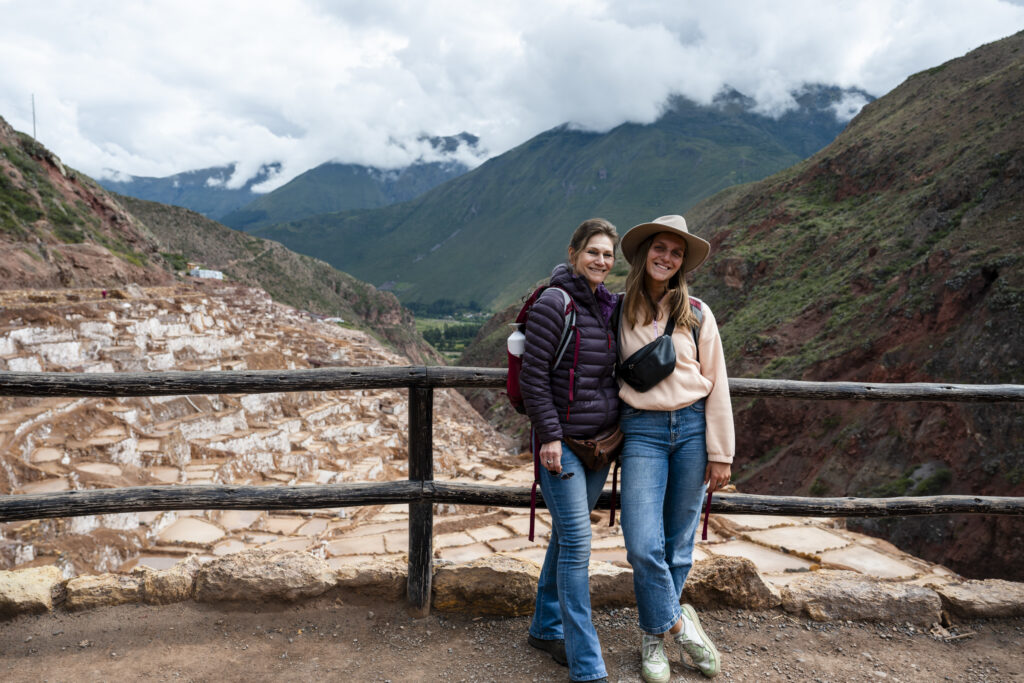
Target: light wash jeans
x=563 y=590
x=663 y=463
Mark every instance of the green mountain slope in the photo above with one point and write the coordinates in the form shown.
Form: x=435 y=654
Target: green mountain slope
x=483 y=238
x=340 y=187
x=202 y=190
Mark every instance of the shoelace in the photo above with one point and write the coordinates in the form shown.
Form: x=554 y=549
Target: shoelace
x=650 y=649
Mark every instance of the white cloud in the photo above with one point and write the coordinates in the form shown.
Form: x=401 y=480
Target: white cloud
x=165 y=86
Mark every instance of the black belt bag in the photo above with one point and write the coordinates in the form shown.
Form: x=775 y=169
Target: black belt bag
x=651 y=363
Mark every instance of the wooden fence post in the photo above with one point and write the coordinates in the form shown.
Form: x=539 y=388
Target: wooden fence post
x=421 y=514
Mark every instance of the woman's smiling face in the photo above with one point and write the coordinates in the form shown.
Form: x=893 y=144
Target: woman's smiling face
x=665 y=257
x=594 y=260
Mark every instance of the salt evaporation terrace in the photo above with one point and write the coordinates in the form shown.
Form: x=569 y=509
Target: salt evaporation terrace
x=286 y=439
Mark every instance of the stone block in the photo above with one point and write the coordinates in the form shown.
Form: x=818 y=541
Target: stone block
x=376 y=578
x=495 y=585
x=166 y=586
x=104 y=590
x=28 y=591
x=982 y=599
x=254 y=575
x=611 y=585
x=729 y=582
x=835 y=595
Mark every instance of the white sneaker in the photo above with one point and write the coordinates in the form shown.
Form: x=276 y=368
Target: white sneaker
x=654 y=663
x=694 y=642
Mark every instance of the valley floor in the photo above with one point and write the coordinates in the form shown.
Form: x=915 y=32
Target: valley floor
x=374 y=641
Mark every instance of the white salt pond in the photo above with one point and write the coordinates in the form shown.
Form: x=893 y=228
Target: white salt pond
x=191 y=530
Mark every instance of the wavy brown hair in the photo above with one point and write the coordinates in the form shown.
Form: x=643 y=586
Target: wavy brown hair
x=638 y=305
x=586 y=230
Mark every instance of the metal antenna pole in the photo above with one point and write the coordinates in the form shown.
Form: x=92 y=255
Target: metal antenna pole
x=33 y=116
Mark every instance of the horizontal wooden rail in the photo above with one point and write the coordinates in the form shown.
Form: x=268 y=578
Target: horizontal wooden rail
x=332 y=379
x=214 y=497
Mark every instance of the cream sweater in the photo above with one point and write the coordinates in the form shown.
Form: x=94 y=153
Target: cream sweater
x=690 y=381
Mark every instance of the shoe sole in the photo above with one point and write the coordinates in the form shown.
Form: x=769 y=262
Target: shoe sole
x=651 y=679
x=716 y=658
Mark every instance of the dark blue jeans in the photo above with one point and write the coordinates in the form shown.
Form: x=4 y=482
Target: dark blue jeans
x=563 y=590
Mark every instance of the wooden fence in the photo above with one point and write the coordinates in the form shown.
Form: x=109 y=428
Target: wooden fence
x=421 y=492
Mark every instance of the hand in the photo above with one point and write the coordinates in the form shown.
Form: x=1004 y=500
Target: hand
x=717 y=475
x=551 y=456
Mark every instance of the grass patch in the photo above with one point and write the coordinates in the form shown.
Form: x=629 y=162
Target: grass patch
x=176 y=261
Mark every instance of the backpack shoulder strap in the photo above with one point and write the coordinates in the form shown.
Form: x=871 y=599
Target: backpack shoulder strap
x=697 y=306
x=568 y=326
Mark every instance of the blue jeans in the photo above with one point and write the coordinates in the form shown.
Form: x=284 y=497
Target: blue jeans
x=563 y=590
x=663 y=463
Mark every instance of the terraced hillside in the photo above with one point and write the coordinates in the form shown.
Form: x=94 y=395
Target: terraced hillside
x=265 y=439
x=299 y=438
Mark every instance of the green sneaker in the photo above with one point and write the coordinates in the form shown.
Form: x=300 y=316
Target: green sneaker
x=654 y=663
x=694 y=642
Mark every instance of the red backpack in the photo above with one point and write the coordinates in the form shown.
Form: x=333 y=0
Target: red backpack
x=515 y=363
x=515 y=366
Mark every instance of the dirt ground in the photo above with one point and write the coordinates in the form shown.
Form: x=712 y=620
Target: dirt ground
x=372 y=641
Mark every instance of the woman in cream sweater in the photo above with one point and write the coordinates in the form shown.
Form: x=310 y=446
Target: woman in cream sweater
x=679 y=438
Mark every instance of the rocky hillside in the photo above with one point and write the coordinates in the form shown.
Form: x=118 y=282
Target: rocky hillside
x=300 y=281
x=893 y=255
x=58 y=228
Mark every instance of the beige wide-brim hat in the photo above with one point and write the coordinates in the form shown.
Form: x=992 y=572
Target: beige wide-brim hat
x=697 y=250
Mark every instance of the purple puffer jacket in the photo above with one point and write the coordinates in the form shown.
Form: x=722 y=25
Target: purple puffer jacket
x=595 y=404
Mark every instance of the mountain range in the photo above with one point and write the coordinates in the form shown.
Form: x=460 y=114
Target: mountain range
x=481 y=239
x=328 y=187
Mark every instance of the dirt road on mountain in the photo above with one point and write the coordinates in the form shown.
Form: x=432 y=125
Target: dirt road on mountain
x=366 y=641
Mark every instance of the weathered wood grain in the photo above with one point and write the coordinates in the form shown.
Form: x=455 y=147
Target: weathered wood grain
x=212 y=497
x=205 y=497
x=421 y=513
x=331 y=379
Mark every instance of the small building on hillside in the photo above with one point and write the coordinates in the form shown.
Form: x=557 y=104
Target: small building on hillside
x=202 y=272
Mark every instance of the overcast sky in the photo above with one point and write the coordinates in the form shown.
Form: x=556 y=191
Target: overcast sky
x=153 y=88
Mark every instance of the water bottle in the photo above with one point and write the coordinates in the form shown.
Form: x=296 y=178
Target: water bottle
x=517 y=340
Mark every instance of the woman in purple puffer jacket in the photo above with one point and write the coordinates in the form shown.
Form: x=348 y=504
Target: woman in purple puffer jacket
x=582 y=403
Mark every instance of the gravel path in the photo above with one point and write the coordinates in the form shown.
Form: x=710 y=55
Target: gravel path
x=334 y=641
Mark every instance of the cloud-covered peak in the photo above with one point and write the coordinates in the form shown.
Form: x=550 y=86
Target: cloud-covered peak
x=167 y=86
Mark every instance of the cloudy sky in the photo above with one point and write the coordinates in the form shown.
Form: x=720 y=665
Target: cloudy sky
x=156 y=87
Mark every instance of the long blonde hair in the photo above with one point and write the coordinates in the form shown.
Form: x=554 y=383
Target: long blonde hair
x=638 y=305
